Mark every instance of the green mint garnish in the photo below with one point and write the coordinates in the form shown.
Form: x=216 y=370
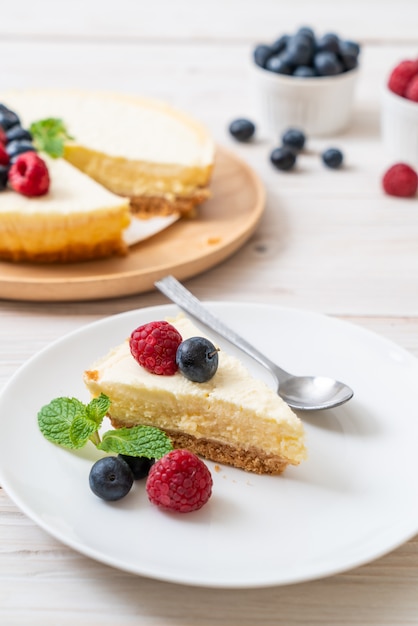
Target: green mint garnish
x=49 y=135
x=71 y=424
x=151 y=442
x=97 y=408
x=64 y=421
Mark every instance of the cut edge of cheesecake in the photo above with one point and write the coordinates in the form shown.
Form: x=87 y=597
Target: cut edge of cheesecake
x=250 y=459
x=233 y=419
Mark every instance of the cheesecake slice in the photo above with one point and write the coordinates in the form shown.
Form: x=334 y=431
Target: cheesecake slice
x=234 y=418
x=158 y=157
x=76 y=220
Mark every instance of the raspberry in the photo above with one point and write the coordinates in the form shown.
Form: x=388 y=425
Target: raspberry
x=179 y=481
x=400 y=180
x=3 y=136
x=4 y=157
x=29 y=175
x=412 y=89
x=401 y=75
x=154 y=346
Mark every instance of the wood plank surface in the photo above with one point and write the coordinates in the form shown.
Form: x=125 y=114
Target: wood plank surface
x=328 y=241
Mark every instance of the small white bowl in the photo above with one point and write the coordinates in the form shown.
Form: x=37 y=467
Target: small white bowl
x=399 y=126
x=319 y=106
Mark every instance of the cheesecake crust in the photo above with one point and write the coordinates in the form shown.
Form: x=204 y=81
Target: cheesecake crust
x=251 y=460
x=152 y=206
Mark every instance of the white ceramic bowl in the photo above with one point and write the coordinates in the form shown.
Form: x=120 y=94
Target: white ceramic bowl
x=319 y=106
x=399 y=126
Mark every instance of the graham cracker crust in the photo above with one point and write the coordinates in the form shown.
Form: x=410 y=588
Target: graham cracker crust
x=251 y=460
x=152 y=206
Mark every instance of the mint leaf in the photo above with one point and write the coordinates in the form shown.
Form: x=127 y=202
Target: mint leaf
x=49 y=135
x=136 y=441
x=56 y=420
x=97 y=408
x=80 y=430
x=70 y=423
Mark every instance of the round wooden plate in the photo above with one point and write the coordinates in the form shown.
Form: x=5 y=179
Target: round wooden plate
x=185 y=249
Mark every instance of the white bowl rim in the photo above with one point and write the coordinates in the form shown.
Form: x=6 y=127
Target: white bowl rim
x=303 y=80
x=400 y=100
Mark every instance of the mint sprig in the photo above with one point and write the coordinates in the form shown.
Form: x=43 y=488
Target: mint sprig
x=129 y=440
x=49 y=135
x=70 y=423
x=64 y=421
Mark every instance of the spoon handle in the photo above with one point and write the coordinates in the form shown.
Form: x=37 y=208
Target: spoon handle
x=178 y=294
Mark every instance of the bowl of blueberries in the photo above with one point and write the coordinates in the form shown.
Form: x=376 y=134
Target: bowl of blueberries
x=307 y=81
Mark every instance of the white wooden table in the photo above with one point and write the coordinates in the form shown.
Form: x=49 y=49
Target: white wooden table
x=328 y=241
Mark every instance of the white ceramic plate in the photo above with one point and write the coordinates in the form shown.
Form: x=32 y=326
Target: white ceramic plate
x=141 y=229
x=355 y=499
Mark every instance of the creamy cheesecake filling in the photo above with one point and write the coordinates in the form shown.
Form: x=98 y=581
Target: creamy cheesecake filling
x=210 y=416
x=138 y=178
x=62 y=238
x=232 y=408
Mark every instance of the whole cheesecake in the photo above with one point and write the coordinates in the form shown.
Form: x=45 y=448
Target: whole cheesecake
x=140 y=156
x=233 y=418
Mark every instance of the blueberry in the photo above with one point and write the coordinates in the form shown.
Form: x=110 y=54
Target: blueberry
x=242 y=129
x=299 y=51
x=351 y=48
x=111 y=478
x=4 y=173
x=349 y=61
x=307 y=31
x=261 y=54
x=279 y=64
x=16 y=147
x=8 y=118
x=304 y=71
x=330 y=42
x=17 y=132
x=283 y=158
x=280 y=44
x=327 y=64
x=197 y=359
x=140 y=465
x=333 y=158
x=294 y=139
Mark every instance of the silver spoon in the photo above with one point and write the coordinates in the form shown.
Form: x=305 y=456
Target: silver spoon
x=306 y=393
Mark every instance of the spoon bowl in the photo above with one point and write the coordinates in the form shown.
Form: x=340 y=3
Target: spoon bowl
x=311 y=393
x=304 y=393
